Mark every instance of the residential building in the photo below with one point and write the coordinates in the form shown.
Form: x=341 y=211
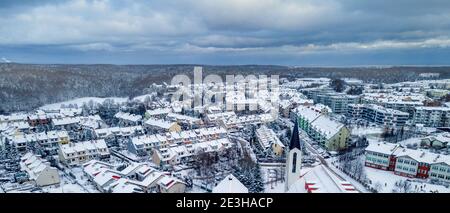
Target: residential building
x=439 y=141
x=74 y=154
x=135 y=178
x=230 y=184
x=144 y=145
x=176 y=154
x=127 y=119
x=408 y=162
x=337 y=102
x=378 y=114
x=155 y=125
x=269 y=141
x=330 y=134
x=381 y=155
x=49 y=141
x=432 y=116
x=39 y=170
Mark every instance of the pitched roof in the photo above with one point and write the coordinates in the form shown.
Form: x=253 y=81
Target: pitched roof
x=295 y=138
x=230 y=184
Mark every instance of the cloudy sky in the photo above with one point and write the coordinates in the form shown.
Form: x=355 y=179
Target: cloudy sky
x=285 y=32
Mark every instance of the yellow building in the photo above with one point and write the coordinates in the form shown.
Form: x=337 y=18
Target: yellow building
x=330 y=134
x=269 y=141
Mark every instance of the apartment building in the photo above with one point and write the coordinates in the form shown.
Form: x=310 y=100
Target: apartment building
x=432 y=116
x=378 y=114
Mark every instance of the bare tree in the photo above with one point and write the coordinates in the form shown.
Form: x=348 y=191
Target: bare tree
x=402 y=186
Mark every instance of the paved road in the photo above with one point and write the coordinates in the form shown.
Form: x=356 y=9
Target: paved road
x=321 y=159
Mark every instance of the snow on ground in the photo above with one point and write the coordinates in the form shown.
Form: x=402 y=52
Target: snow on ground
x=64 y=188
x=367 y=131
x=81 y=180
x=272 y=185
x=411 y=141
x=80 y=101
x=142 y=97
x=355 y=183
x=387 y=179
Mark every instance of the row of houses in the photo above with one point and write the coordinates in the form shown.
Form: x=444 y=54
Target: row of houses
x=236 y=123
x=50 y=140
x=159 y=125
x=330 y=134
x=112 y=133
x=39 y=117
x=75 y=154
x=39 y=170
x=408 y=162
x=128 y=119
x=135 y=178
x=145 y=144
x=269 y=141
x=176 y=154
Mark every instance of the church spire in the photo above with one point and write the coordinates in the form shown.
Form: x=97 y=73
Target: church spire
x=295 y=139
x=294 y=159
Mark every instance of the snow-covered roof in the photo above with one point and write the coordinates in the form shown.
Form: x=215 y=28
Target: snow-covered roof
x=167 y=182
x=66 y=121
x=180 y=151
x=94 y=167
x=308 y=113
x=131 y=169
x=230 y=184
x=158 y=111
x=320 y=180
x=34 y=165
x=322 y=123
x=267 y=137
x=84 y=146
x=41 y=136
x=159 y=123
x=326 y=126
x=446 y=109
x=180 y=117
x=128 y=117
x=382 y=147
x=119 y=131
x=424 y=156
x=385 y=110
x=124 y=186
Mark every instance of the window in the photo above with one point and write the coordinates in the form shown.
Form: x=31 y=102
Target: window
x=294 y=162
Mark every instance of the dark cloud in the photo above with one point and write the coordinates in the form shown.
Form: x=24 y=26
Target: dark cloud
x=234 y=31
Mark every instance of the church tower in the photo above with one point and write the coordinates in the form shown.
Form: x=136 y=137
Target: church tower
x=294 y=158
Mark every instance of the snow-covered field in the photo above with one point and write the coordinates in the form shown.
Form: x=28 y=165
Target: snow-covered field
x=80 y=101
x=387 y=179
